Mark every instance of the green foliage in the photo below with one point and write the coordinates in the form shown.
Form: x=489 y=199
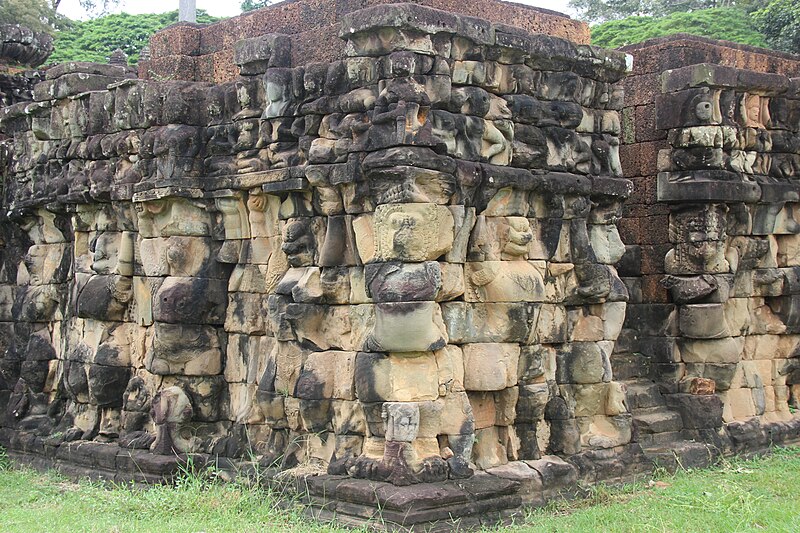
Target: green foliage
x=599 y=10
x=730 y=24
x=98 y=6
x=250 y=5
x=96 y=39
x=780 y=22
x=603 y=10
x=38 y=15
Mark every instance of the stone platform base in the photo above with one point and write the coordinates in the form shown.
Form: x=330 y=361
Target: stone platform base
x=483 y=500
x=498 y=495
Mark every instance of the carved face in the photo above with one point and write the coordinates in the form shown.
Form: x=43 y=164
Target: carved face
x=519 y=235
x=403 y=227
x=708 y=224
x=704 y=111
x=136 y=397
x=105 y=252
x=753 y=109
x=275 y=92
x=36 y=261
x=277 y=86
x=402 y=421
x=242 y=95
x=298 y=244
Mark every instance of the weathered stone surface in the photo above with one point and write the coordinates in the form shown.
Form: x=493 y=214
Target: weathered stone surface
x=490 y=367
x=381 y=377
x=401 y=261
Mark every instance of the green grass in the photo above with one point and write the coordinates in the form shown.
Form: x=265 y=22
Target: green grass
x=32 y=501
x=738 y=495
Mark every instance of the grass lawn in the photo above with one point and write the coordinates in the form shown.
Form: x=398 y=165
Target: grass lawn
x=737 y=495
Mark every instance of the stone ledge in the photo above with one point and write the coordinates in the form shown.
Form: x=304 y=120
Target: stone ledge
x=711 y=75
x=704 y=186
x=689 y=38
x=19 y=44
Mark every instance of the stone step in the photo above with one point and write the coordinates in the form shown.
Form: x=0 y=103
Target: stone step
x=656 y=420
x=650 y=441
x=682 y=454
x=642 y=394
x=628 y=366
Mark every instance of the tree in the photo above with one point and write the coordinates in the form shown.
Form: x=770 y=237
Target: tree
x=96 y=39
x=730 y=24
x=250 y=5
x=603 y=10
x=94 y=7
x=38 y=15
x=780 y=22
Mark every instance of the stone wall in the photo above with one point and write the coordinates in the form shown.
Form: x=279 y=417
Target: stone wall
x=206 y=53
x=20 y=48
x=399 y=264
x=712 y=151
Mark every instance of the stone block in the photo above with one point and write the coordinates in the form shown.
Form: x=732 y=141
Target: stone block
x=697 y=411
x=490 y=367
x=256 y=54
x=724 y=350
x=504 y=281
x=582 y=362
x=327 y=375
x=484 y=409
x=488 y=450
x=738 y=404
x=411 y=232
x=245 y=313
x=192 y=350
x=532 y=402
x=407 y=327
x=398 y=378
x=536 y=363
x=450 y=415
x=605 y=431
x=184 y=300
x=489 y=322
x=450 y=363
x=703 y=321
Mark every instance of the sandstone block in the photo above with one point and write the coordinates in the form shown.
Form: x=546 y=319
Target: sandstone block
x=605 y=431
x=489 y=322
x=407 y=327
x=724 y=350
x=450 y=363
x=703 y=321
x=488 y=450
x=401 y=378
x=412 y=232
x=504 y=281
x=327 y=375
x=192 y=350
x=490 y=367
x=582 y=362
